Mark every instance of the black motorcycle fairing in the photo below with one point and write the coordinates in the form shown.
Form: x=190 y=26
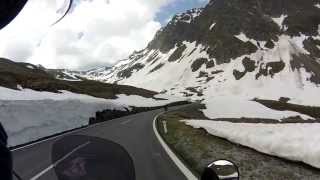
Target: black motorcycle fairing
x=5 y=156
x=83 y=157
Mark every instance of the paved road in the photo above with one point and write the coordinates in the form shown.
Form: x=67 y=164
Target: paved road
x=133 y=132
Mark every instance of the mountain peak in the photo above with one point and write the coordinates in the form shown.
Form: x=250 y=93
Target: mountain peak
x=232 y=47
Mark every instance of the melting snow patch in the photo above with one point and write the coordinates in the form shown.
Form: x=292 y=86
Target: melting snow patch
x=28 y=115
x=280 y=20
x=30 y=67
x=242 y=37
x=196 y=12
x=28 y=94
x=30 y=120
x=298 y=42
x=138 y=101
x=298 y=142
x=237 y=108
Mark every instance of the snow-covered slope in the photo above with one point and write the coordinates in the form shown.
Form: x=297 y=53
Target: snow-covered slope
x=231 y=52
x=66 y=75
x=35 y=104
x=28 y=115
x=267 y=49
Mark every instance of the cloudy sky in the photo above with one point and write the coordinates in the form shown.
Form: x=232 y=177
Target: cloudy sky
x=95 y=33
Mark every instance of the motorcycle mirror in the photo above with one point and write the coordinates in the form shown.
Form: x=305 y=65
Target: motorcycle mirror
x=221 y=170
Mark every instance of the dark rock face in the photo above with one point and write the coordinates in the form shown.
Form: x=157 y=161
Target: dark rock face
x=312 y=46
x=217 y=72
x=203 y=74
x=156 y=68
x=152 y=57
x=195 y=91
x=177 y=53
x=238 y=75
x=231 y=17
x=210 y=64
x=126 y=73
x=269 y=44
x=249 y=66
x=308 y=64
x=197 y=64
x=270 y=68
x=266 y=28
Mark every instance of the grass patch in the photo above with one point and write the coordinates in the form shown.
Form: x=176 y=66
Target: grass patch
x=284 y=106
x=13 y=74
x=197 y=149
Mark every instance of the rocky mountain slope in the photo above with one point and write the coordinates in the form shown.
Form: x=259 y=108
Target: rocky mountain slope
x=251 y=48
x=28 y=76
x=35 y=102
x=71 y=75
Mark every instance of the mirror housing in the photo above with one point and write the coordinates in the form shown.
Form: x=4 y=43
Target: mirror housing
x=221 y=170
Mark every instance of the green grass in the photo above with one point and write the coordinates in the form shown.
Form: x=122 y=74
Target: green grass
x=13 y=74
x=197 y=149
x=284 y=106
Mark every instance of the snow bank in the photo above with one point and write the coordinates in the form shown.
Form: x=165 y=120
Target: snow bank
x=28 y=94
x=298 y=142
x=30 y=120
x=233 y=107
x=139 y=101
x=28 y=115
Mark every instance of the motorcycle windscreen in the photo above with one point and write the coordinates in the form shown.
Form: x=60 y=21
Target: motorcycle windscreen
x=45 y=12
x=80 y=157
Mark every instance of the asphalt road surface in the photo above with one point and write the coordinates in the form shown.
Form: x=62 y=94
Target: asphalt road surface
x=134 y=132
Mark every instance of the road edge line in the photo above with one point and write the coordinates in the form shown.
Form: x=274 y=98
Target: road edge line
x=72 y=131
x=187 y=173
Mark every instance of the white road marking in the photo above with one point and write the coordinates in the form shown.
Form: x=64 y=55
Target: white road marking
x=187 y=173
x=61 y=135
x=59 y=161
x=165 y=127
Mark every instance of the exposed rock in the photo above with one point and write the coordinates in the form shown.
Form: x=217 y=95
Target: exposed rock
x=270 y=68
x=128 y=72
x=312 y=46
x=196 y=65
x=156 y=68
x=177 y=53
x=249 y=64
x=238 y=75
x=210 y=64
x=269 y=44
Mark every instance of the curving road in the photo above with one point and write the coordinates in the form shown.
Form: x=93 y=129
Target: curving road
x=134 y=132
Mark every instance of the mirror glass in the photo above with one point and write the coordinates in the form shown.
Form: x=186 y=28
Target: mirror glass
x=225 y=170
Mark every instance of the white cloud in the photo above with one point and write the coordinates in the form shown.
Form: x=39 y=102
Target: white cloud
x=95 y=33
